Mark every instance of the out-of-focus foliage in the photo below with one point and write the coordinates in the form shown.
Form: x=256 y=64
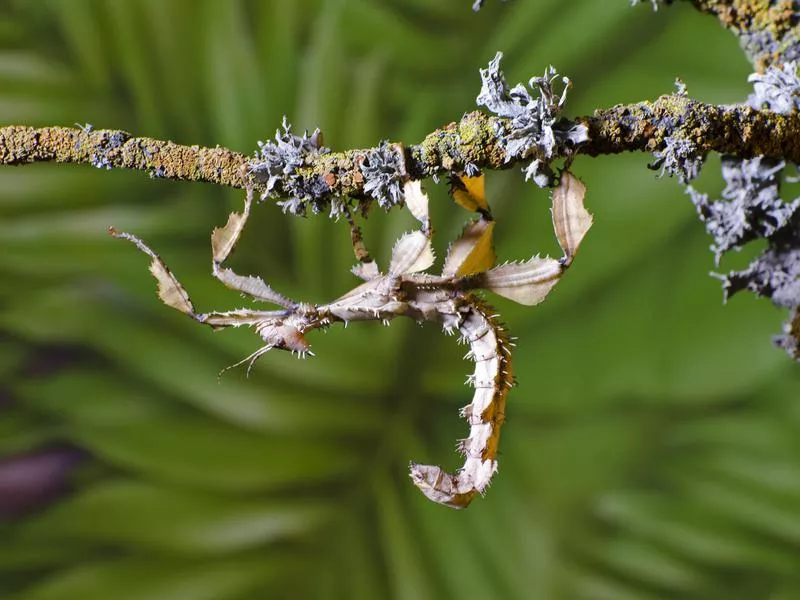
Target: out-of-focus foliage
x=652 y=446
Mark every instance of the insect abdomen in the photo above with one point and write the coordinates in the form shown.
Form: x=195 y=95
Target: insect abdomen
x=489 y=348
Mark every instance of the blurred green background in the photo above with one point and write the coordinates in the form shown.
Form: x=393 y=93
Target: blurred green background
x=651 y=449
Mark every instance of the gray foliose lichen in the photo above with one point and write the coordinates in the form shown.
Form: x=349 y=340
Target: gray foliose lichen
x=680 y=156
x=276 y=166
x=384 y=171
x=532 y=127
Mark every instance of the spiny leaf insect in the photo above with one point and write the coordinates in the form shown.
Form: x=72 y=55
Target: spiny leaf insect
x=406 y=289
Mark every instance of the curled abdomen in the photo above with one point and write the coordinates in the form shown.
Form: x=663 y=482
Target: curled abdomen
x=489 y=348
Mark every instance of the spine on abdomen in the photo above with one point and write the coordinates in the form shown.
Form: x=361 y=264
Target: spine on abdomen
x=490 y=349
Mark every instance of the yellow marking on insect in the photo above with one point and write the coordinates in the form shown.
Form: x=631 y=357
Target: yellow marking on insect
x=470 y=192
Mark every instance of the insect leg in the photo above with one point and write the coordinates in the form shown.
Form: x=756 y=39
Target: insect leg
x=170 y=290
x=223 y=242
x=172 y=293
x=366 y=268
x=530 y=282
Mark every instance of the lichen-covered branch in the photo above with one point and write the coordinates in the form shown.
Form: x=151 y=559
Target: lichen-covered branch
x=790 y=339
x=106 y=149
x=737 y=130
x=751 y=206
x=767 y=30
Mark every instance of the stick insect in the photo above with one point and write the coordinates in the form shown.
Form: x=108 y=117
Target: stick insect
x=407 y=290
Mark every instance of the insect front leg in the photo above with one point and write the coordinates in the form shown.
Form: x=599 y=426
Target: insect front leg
x=223 y=242
x=172 y=293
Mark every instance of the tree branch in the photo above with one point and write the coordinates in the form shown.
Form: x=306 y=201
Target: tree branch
x=108 y=149
x=736 y=130
x=768 y=31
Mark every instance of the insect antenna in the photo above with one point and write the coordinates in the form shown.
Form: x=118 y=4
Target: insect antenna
x=250 y=359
